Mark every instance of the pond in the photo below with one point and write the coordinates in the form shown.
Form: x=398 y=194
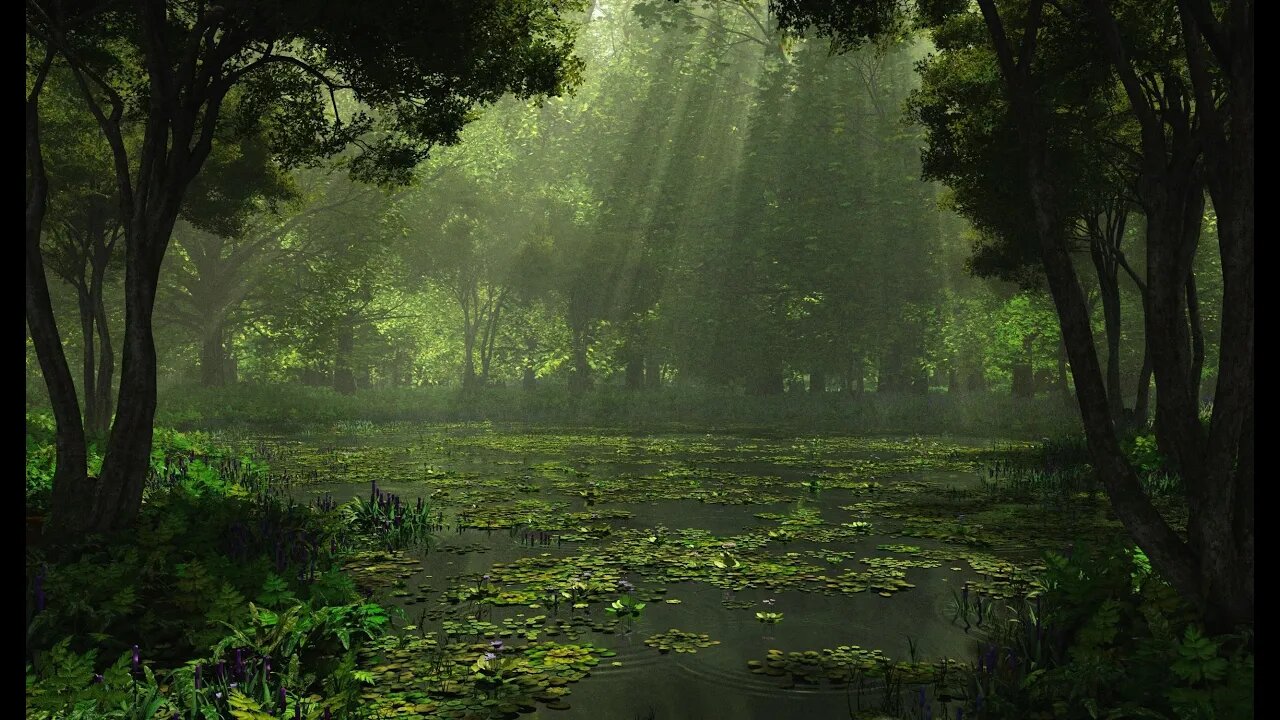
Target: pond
x=838 y=543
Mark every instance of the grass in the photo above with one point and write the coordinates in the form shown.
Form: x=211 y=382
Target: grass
x=292 y=406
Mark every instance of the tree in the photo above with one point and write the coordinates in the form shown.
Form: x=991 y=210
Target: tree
x=211 y=73
x=1180 y=123
x=81 y=238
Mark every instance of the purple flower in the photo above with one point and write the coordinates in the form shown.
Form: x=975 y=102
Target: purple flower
x=496 y=645
x=626 y=585
x=97 y=678
x=137 y=658
x=284 y=700
x=991 y=658
x=490 y=656
x=327 y=715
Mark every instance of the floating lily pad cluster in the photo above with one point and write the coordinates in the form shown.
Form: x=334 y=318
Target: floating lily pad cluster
x=376 y=569
x=417 y=677
x=680 y=641
x=570 y=490
x=845 y=664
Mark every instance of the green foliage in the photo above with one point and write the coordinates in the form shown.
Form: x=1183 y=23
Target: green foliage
x=284 y=407
x=63 y=684
x=1105 y=637
x=180 y=582
x=1144 y=455
x=625 y=607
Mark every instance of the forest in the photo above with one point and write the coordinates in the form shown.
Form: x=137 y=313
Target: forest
x=639 y=359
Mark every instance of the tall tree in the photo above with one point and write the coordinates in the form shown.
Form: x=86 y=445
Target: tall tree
x=1213 y=566
x=214 y=72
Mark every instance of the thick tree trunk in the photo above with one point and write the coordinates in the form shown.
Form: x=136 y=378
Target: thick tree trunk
x=1168 y=553
x=1161 y=543
x=213 y=357
x=1222 y=524
x=69 y=440
x=114 y=500
x=634 y=370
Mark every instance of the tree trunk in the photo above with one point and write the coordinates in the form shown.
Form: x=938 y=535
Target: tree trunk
x=580 y=372
x=1064 y=389
x=490 y=334
x=213 y=358
x=470 y=328
x=1168 y=554
x=1197 y=335
x=69 y=441
x=858 y=373
x=1023 y=380
x=468 y=362
x=652 y=373
x=817 y=382
x=344 y=378
x=1142 y=403
x=89 y=364
x=1162 y=544
x=634 y=370
x=1227 y=558
x=100 y=425
x=1109 y=288
x=767 y=380
x=115 y=500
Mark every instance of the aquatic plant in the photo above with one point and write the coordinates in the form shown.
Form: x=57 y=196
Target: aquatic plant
x=625 y=607
x=389 y=522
